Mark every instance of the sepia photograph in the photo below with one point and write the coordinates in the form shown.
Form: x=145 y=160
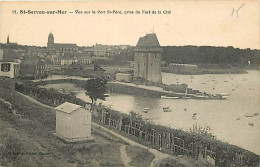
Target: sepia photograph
x=128 y=83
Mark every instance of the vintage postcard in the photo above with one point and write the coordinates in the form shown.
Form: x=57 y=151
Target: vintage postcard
x=130 y=83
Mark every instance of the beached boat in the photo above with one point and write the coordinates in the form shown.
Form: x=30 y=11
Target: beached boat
x=145 y=110
x=167 y=109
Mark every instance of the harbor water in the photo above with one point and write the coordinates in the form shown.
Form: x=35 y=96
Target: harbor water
x=226 y=118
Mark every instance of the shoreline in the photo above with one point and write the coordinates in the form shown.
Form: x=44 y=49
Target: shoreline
x=203 y=71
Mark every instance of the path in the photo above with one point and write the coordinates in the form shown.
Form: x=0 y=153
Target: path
x=125 y=159
x=158 y=155
x=35 y=101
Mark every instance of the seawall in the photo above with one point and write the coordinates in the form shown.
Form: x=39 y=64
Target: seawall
x=133 y=90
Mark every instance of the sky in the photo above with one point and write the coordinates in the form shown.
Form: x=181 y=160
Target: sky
x=188 y=22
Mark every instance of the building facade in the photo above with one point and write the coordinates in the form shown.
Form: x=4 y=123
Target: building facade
x=60 y=48
x=73 y=122
x=33 y=68
x=9 y=69
x=147 y=59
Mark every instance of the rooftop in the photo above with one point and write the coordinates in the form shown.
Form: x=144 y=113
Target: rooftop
x=32 y=61
x=149 y=40
x=68 y=107
x=65 y=45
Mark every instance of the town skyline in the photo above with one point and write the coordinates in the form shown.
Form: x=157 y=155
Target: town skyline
x=207 y=27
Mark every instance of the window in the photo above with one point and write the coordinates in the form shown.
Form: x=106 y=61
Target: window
x=5 y=67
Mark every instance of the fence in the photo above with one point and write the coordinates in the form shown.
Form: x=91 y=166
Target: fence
x=177 y=142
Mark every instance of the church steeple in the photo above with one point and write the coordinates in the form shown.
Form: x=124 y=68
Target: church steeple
x=7 y=39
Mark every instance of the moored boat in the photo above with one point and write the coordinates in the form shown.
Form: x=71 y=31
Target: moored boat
x=249 y=115
x=145 y=110
x=166 y=109
x=251 y=123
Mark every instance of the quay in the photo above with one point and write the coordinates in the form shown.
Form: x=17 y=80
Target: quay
x=157 y=92
x=133 y=89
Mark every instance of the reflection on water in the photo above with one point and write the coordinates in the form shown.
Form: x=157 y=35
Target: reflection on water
x=221 y=115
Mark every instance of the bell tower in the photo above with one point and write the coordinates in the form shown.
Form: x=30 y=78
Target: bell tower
x=50 y=40
x=50 y=44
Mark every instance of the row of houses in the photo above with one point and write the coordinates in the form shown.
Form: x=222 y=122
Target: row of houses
x=70 y=59
x=33 y=68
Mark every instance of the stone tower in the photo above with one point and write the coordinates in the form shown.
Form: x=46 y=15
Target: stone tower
x=50 y=44
x=147 y=60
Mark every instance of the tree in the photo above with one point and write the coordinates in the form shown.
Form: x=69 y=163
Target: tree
x=95 y=89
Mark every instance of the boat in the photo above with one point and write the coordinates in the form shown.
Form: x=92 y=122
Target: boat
x=167 y=109
x=251 y=123
x=224 y=97
x=249 y=115
x=145 y=110
x=224 y=94
x=107 y=94
x=169 y=97
x=211 y=97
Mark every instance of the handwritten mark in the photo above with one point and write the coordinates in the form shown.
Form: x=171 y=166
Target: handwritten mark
x=237 y=10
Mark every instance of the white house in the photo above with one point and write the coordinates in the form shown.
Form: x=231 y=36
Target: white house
x=73 y=122
x=9 y=69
